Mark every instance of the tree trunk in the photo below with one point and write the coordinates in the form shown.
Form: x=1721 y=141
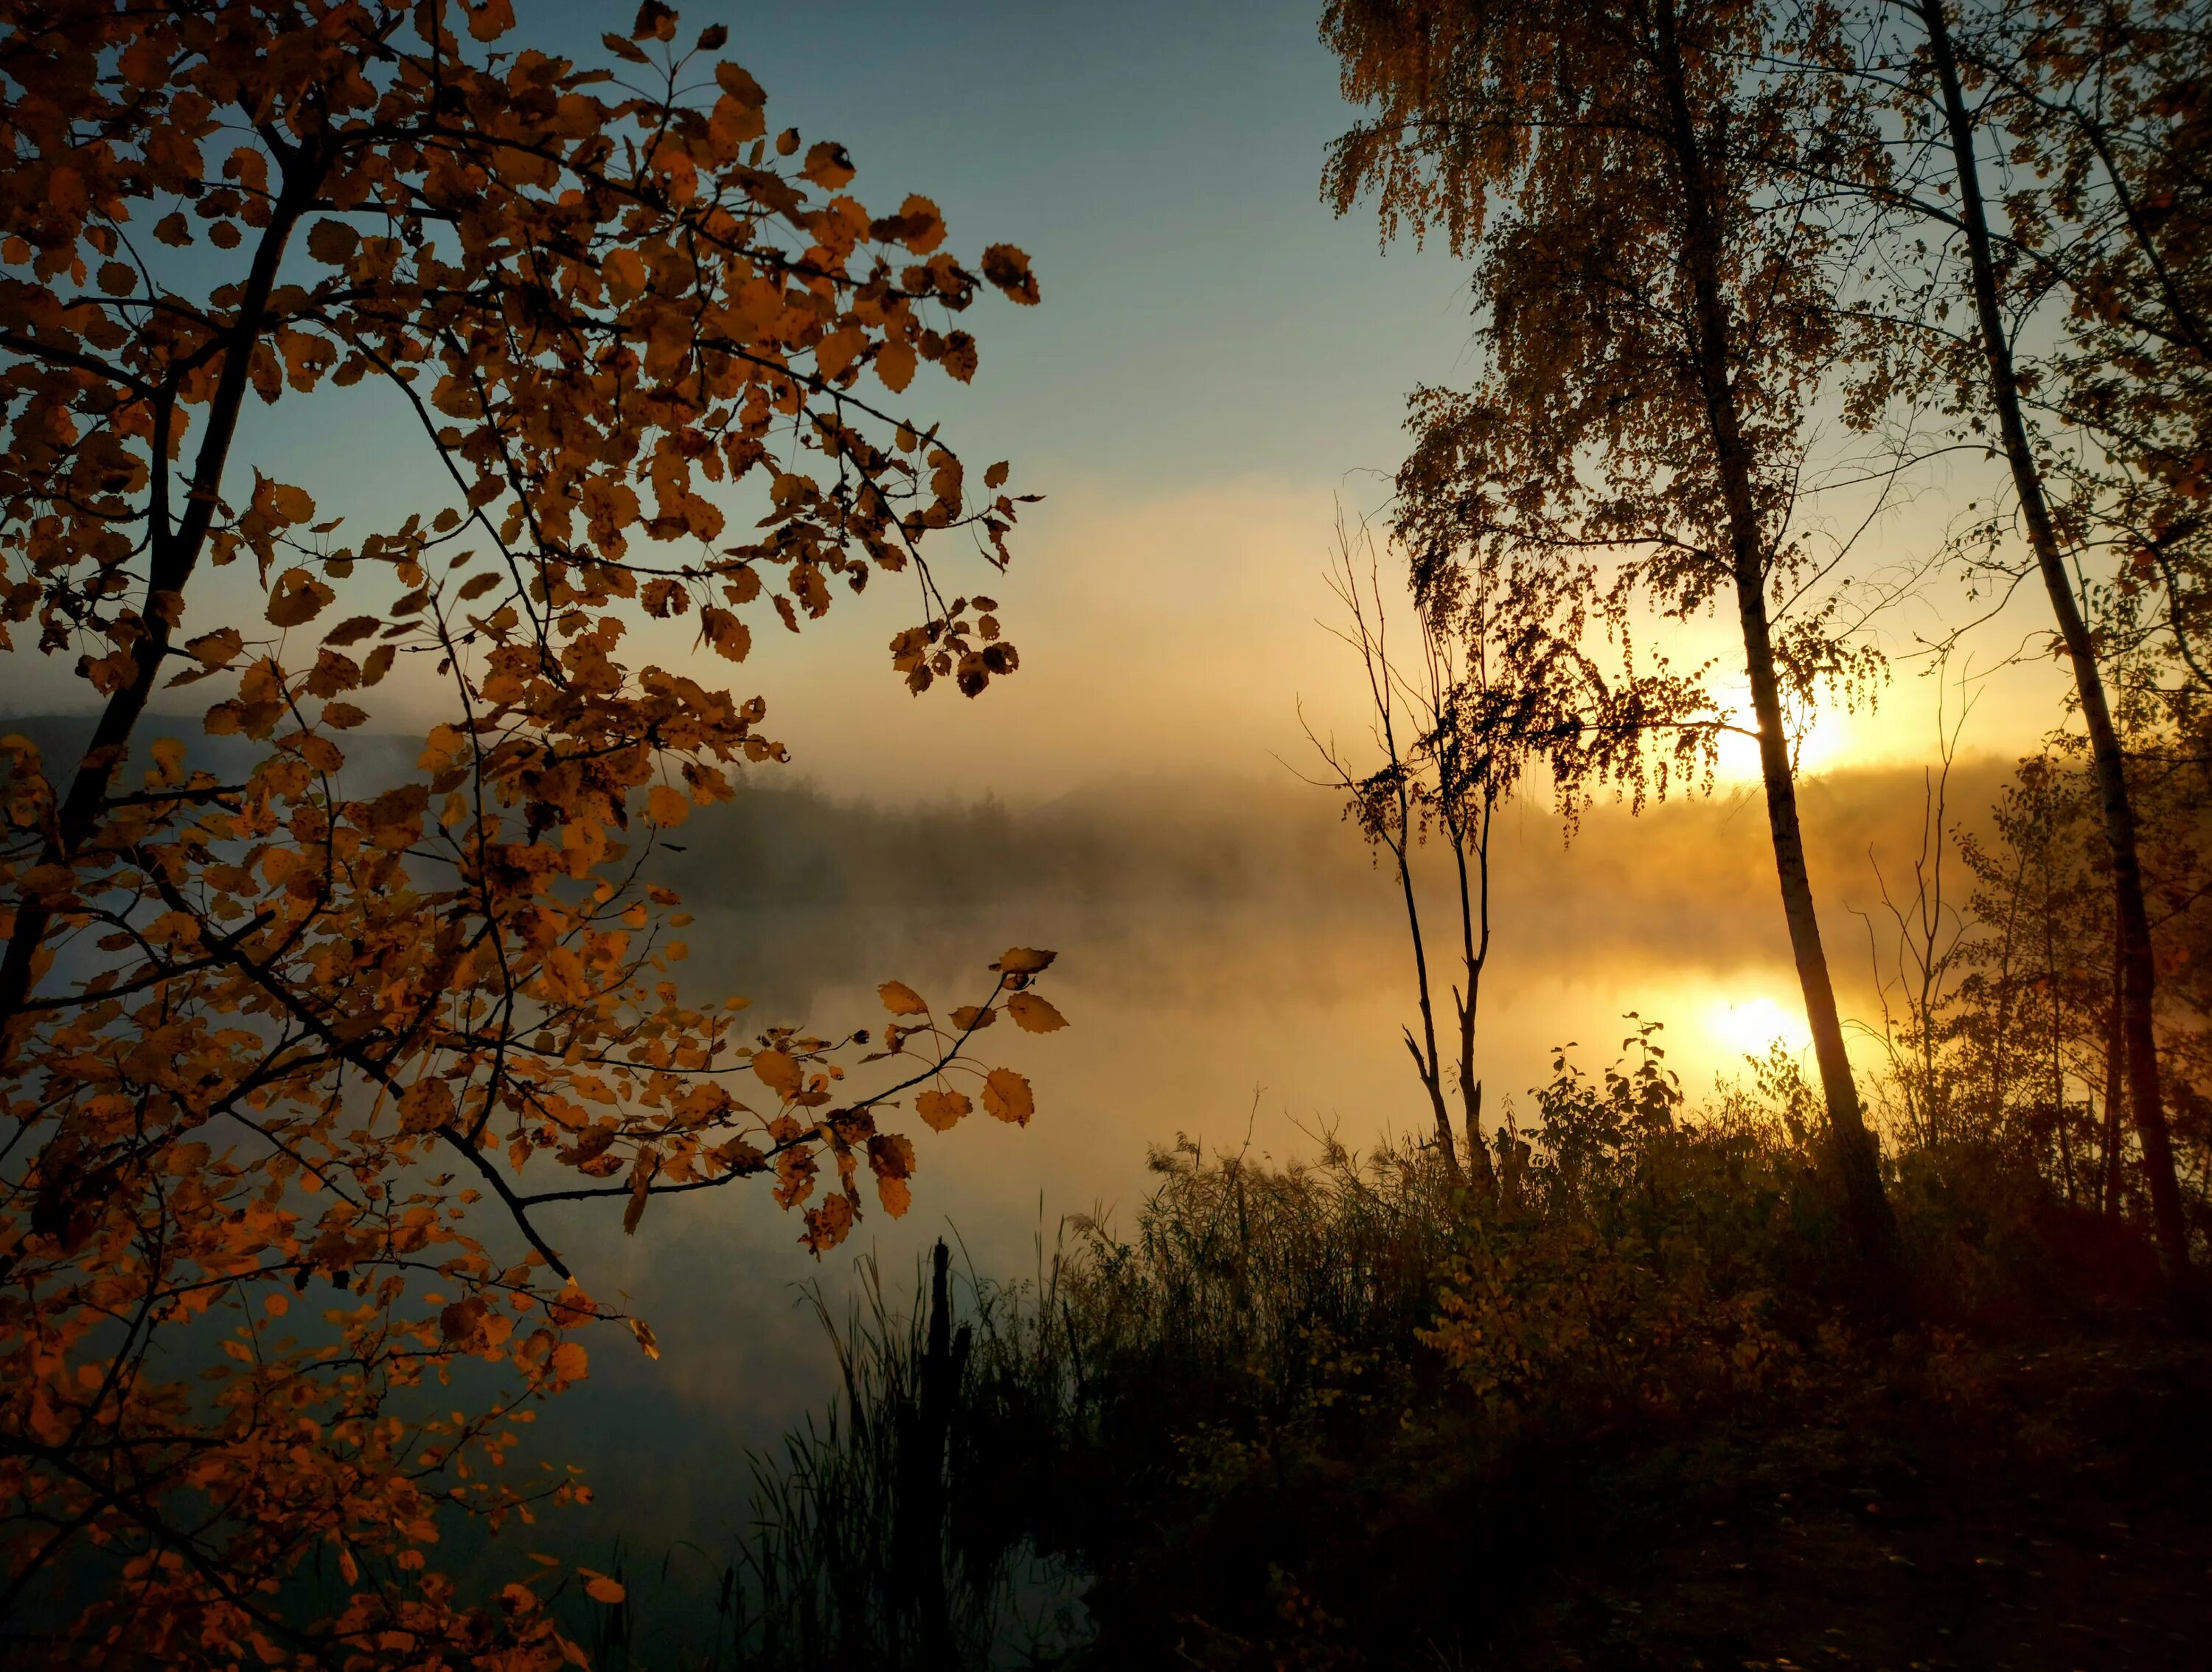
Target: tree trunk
x=2137 y=975
x=1474 y=955
x=1425 y=1055
x=173 y=554
x=1873 y=1227
x=2115 y=1091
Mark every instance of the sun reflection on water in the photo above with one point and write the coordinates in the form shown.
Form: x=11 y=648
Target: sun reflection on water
x=1752 y=1026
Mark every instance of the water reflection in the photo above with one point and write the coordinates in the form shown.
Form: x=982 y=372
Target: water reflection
x=1235 y=970
x=1240 y=979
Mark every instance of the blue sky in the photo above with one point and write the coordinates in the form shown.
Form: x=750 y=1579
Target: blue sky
x=1206 y=316
x=1220 y=365
x=1218 y=358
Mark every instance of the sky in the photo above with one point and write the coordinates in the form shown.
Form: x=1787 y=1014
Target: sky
x=1218 y=371
x=1217 y=376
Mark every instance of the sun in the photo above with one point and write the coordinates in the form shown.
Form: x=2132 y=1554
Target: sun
x=1750 y=1027
x=1822 y=740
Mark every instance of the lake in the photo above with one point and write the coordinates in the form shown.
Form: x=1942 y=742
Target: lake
x=1233 y=969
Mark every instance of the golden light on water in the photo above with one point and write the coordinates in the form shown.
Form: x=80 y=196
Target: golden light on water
x=1750 y=1027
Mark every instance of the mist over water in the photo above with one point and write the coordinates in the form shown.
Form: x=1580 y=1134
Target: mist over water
x=1234 y=969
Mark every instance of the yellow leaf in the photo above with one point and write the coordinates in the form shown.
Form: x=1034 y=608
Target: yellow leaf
x=332 y=242
x=601 y=1589
x=625 y=271
x=570 y=1361
x=1024 y=961
x=490 y=19
x=827 y=165
x=1032 y=1014
x=941 y=1110
x=1006 y=1096
x=901 y=999
x=778 y=1071
x=425 y=1105
x=668 y=807
x=895 y=364
x=741 y=86
x=924 y=229
x=725 y=634
x=640 y=1185
x=1009 y=269
x=219 y=647
x=65 y=191
x=297 y=597
x=838 y=350
x=827 y=1225
x=891 y=1157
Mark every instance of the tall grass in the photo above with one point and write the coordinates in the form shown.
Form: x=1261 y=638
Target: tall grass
x=1214 y=1427
x=849 y=1555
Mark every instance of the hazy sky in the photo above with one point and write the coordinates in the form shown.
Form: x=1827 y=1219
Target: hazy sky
x=1218 y=364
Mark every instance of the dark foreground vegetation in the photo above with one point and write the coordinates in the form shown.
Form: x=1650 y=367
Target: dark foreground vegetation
x=1628 y=1412
x=302 y=1058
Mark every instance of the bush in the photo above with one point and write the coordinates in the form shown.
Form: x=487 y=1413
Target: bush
x=1296 y=1402
x=1628 y=1263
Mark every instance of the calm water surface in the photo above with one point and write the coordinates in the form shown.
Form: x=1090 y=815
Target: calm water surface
x=1262 y=1020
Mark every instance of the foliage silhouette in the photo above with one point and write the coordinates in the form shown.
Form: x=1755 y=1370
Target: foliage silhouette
x=269 y=1044
x=1658 y=311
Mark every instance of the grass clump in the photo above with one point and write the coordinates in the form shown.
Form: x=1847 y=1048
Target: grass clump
x=1353 y=1412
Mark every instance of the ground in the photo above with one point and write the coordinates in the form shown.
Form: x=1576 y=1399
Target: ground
x=1932 y=1502
x=2040 y=1508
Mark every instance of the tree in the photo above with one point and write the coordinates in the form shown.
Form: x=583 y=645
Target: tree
x=1505 y=684
x=2004 y=287
x=1425 y=784
x=1916 y=956
x=1656 y=294
x=260 y=1025
x=2052 y=153
x=2103 y=112
x=2038 y=1005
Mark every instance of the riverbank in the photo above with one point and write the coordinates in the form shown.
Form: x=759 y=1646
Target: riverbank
x=1626 y=1405
x=2040 y=1506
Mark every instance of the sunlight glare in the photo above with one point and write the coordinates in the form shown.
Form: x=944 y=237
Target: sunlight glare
x=1749 y=1026
x=1825 y=740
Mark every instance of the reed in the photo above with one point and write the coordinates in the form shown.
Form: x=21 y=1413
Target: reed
x=1278 y=1368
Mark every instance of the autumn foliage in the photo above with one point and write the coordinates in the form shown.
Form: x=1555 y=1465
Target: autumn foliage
x=294 y=1057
